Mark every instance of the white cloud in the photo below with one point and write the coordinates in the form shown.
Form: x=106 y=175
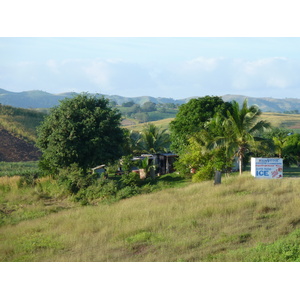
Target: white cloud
x=203 y=64
x=276 y=76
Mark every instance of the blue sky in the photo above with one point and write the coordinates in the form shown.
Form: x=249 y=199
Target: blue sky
x=167 y=49
x=176 y=67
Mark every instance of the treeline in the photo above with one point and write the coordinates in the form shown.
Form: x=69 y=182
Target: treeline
x=210 y=135
x=291 y=112
x=148 y=111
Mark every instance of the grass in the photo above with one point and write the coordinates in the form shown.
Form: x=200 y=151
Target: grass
x=20 y=122
x=288 y=121
x=243 y=219
x=18 y=168
x=164 y=124
x=293 y=171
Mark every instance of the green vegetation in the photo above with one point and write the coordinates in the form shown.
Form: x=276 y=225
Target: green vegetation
x=20 y=122
x=18 y=168
x=151 y=139
x=192 y=117
x=84 y=130
x=147 y=113
x=75 y=216
x=244 y=219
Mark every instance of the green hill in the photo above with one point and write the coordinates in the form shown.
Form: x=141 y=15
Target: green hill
x=41 y=99
x=243 y=219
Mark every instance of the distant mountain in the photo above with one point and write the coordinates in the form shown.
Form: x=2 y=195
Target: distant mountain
x=267 y=104
x=41 y=99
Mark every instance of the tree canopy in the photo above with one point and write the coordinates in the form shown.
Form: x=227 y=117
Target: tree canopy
x=153 y=139
x=191 y=118
x=84 y=130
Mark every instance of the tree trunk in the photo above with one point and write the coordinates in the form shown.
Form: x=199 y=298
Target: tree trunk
x=218 y=177
x=241 y=163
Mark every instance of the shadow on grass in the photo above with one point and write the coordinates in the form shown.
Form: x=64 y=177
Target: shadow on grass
x=293 y=171
x=171 y=178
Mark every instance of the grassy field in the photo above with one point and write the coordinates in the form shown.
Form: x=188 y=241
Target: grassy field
x=243 y=219
x=164 y=124
x=288 y=121
x=18 y=168
x=277 y=120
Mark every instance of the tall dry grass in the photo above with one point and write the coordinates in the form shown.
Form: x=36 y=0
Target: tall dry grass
x=200 y=222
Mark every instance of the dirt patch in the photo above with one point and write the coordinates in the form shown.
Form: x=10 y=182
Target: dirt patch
x=13 y=149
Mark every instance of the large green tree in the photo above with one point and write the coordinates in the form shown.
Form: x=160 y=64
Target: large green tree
x=84 y=130
x=191 y=118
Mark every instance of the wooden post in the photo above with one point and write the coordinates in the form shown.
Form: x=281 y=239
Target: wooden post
x=218 y=177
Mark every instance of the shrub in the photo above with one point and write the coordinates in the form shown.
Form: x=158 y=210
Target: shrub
x=205 y=173
x=101 y=189
x=28 y=179
x=74 y=178
x=130 y=179
x=127 y=192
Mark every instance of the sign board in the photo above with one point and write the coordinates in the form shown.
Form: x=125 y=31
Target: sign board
x=266 y=167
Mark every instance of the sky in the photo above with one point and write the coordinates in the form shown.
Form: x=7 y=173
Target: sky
x=167 y=49
x=176 y=67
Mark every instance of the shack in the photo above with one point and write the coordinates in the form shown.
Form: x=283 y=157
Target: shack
x=99 y=170
x=164 y=162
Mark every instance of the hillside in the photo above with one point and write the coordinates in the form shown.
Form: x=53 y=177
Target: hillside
x=14 y=149
x=18 y=134
x=41 y=99
x=289 y=121
x=243 y=219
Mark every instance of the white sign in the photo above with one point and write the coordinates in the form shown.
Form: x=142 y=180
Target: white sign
x=266 y=167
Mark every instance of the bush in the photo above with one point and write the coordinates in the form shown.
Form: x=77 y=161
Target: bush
x=130 y=179
x=28 y=179
x=101 y=189
x=205 y=173
x=127 y=192
x=74 y=179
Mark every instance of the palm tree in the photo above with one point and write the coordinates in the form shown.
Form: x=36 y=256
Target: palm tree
x=153 y=139
x=237 y=131
x=241 y=126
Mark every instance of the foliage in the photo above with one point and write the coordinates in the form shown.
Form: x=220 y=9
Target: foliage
x=18 y=168
x=191 y=118
x=291 y=151
x=128 y=104
x=130 y=179
x=240 y=127
x=101 y=189
x=153 y=139
x=28 y=179
x=20 y=122
x=74 y=178
x=205 y=173
x=148 y=106
x=204 y=161
x=83 y=130
x=127 y=163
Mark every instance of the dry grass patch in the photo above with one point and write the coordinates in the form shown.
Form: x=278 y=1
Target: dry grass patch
x=199 y=222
